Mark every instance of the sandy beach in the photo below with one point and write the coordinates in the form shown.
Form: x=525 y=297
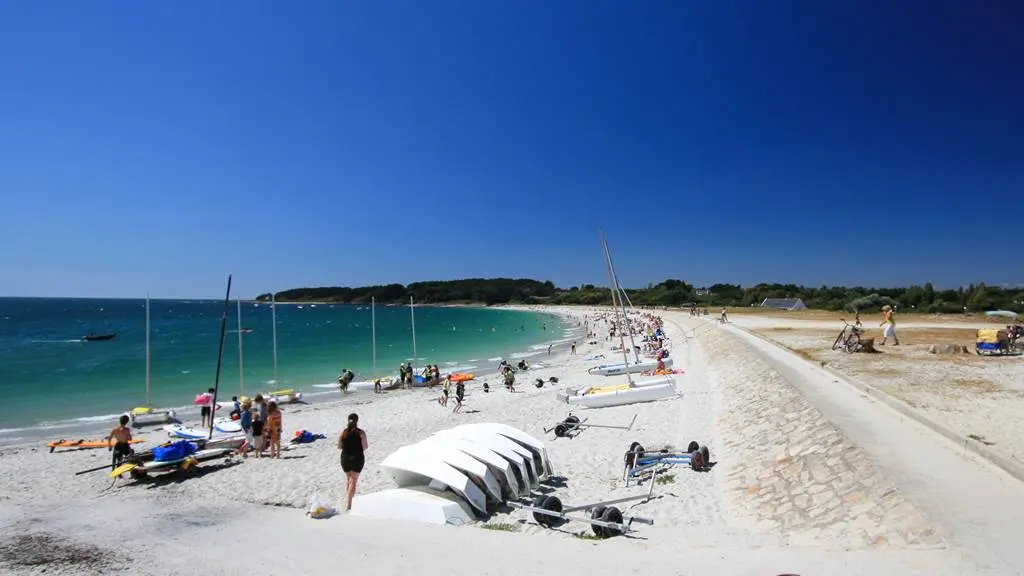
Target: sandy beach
x=811 y=477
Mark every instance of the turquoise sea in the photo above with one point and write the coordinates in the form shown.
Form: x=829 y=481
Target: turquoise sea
x=51 y=380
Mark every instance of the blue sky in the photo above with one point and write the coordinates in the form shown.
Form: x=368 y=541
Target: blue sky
x=159 y=146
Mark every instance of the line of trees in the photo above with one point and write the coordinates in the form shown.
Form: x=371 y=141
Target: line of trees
x=492 y=291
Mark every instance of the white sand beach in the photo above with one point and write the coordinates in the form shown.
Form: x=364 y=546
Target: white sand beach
x=811 y=477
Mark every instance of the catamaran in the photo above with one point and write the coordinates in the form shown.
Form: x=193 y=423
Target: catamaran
x=286 y=395
x=373 y=382
x=630 y=392
x=147 y=414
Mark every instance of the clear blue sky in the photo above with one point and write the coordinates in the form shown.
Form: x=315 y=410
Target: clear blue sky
x=161 y=145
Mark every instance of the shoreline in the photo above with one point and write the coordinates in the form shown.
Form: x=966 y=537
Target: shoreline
x=314 y=393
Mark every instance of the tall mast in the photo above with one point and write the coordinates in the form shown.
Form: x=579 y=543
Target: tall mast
x=373 y=331
x=273 y=314
x=147 y=348
x=241 y=365
x=622 y=294
x=614 y=287
x=412 y=314
x=220 y=350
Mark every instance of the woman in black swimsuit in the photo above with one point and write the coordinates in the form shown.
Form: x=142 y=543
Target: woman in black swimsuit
x=352 y=444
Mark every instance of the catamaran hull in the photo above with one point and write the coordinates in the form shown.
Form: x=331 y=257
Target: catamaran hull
x=518 y=456
x=620 y=369
x=153 y=417
x=618 y=397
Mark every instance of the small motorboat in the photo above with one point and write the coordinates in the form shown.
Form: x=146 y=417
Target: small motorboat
x=99 y=337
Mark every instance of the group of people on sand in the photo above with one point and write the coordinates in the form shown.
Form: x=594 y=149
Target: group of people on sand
x=262 y=426
x=460 y=393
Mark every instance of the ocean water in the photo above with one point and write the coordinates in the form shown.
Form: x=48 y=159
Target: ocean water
x=50 y=378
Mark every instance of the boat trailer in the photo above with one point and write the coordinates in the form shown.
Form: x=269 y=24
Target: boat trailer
x=605 y=519
x=638 y=461
x=572 y=426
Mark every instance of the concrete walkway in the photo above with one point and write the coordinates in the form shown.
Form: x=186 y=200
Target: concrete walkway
x=976 y=507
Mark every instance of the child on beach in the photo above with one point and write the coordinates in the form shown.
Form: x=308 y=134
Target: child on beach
x=460 y=393
x=443 y=400
x=272 y=429
x=205 y=402
x=246 y=421
x=236 y=408
x=257 y=434
x=122 y=436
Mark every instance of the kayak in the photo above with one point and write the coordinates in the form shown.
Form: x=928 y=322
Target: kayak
x=461 y=377
x=83 y=444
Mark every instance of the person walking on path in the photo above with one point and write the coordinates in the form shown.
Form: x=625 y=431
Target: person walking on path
x=352 y=444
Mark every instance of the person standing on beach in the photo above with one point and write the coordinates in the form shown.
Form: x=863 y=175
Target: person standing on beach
x=122 y=436
x=549 y=349
x=573 y=351
x=246 y=421
x=261 y=443
x=460 y=393
x=272 y=429
x=443 y=400
x=352 y=444
x=205 y=401
x=889 y=326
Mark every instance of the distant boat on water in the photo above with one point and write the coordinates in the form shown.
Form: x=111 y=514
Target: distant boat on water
x=99 y=337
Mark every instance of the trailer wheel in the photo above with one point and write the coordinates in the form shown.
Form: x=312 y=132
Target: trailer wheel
x=551 y=504
x=693 y=446
x=561 y=430
x=598 y=514
x=706 y=455
x=570 y=419
x=611 y=514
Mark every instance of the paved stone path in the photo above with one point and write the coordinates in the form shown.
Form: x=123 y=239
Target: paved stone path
x=790 y=471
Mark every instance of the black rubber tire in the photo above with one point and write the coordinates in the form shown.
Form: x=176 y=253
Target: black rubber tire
x=598 y=514
x=632 y=446
x=693 y=445
x=552 y=504
x=706 y=455
x=570 y=419
x=561 y=430
x=839 y=339
x=611 y=514
x=538 y=502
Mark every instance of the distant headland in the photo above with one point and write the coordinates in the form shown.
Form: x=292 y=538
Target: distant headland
x=496 y=291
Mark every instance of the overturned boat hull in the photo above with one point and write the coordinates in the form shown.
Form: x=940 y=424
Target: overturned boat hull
x=620 y=368
x=606 y=396
x=410 y=467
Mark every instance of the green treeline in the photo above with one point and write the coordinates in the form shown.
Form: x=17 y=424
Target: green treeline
x=667 y=293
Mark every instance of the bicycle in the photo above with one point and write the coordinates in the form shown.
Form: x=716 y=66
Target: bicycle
x=849 y=339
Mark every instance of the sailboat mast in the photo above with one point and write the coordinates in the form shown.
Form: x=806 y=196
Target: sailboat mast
x=241 y=366
x=622 y=294
x=220 y=351
x=373 y=331
x=412 y=314
x=147 y=348
x=273 y=330
x=615 y=287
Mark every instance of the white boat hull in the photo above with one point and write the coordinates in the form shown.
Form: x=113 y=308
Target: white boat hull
x=419 y=504
x=633 y=367
x=542 y=464
x=192 y=433
x=477 y=471
x=408 y=468
x=501 y=467
x=154 y=416
x=518 y=456
x=605 y=399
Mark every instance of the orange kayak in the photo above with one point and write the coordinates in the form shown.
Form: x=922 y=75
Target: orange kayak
x=462 y=377
x=83 y=444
